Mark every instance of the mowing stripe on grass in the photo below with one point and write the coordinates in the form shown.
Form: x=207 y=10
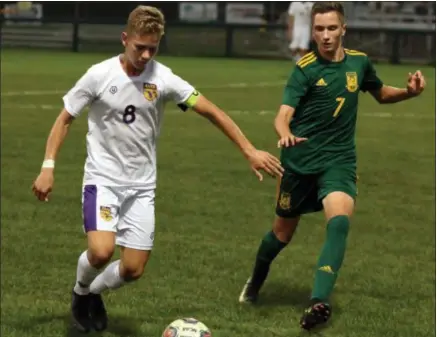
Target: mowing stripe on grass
x=241 y=85
x=232 y=112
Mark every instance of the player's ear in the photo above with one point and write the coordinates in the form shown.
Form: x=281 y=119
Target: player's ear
x=124 y=38
x=343 y=28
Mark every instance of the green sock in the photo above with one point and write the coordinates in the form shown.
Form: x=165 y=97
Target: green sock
x=267 y=251
x=331 y=257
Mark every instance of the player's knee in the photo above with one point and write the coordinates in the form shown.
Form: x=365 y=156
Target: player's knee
x=101 y=256
x=132 y=272
x=338 y=204
x=284 y=228
x=339 y=225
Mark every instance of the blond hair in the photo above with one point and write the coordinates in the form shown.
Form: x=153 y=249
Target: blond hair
x=145 y=20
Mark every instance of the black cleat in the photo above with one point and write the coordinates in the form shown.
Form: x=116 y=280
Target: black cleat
x=250 y=292
x=97 y=311
x=79 y=311
x=317 y=313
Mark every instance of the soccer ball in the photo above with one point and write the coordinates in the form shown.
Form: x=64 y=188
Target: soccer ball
x=186 y=327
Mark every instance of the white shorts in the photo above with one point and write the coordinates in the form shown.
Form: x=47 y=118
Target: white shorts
x=128 y=212
x=301 y=38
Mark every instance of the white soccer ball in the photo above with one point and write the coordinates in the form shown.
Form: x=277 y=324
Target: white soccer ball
x=186 y=327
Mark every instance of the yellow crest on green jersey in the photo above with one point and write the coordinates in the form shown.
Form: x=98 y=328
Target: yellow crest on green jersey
x=352 y=81
x=150 y=91
x=285 y=200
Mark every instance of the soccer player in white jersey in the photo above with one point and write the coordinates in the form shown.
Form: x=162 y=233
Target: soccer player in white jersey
x=126 y=95
x=299 y=28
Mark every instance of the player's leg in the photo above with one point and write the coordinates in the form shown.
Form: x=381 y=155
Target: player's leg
x=338 y=190
x=271 y=245
x=304 y=42
x=100 y=218
x=294 y=44
x=293 y=194
x=135 y=235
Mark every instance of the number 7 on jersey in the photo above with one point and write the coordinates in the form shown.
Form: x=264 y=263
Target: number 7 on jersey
x=340 y=101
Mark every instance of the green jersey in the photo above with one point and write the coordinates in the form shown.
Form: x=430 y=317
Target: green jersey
x=325 y=97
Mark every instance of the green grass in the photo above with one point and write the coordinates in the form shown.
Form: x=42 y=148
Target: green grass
x=212 y=212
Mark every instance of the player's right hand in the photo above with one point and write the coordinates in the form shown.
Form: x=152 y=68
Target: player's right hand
x=261 y=160
x=290 y=140
x=43 y=184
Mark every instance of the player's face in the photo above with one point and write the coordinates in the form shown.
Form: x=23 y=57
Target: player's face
x=328 y=31
x=140 y=49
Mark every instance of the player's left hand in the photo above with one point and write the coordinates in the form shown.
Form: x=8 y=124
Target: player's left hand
x=416 y=83
x=261 y=160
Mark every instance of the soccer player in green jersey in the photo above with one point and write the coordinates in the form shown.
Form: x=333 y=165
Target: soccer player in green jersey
x=316 y=128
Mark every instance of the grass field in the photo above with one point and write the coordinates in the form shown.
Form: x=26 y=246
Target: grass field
x=212 y=212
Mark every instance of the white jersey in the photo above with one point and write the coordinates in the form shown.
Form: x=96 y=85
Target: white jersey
x=124 y=120
x=301 y=11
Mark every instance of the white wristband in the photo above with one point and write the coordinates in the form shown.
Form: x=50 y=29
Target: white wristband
x=48 y=163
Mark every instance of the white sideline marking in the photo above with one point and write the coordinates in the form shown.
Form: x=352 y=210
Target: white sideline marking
x=230 y=112
x=223 y=86
x=32 y=93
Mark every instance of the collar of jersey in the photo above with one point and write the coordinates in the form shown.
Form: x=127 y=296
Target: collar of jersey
x=331 y=63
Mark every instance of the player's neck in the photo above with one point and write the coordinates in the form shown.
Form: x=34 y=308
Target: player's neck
x=335 y=56
x=128 y=68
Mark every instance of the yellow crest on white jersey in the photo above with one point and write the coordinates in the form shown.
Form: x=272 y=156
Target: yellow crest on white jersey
x=150 y=91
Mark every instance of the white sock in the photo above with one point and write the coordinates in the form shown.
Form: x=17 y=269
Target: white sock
x=86 y=273
x=109 y=279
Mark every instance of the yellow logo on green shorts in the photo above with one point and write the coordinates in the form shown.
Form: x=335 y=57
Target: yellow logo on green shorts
x=285 y=200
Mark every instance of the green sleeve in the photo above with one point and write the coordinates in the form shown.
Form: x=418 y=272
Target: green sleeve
x=296 y=88
x=371 y=80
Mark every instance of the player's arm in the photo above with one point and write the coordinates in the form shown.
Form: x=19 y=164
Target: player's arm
x=258 y=159
x=74 y=101
x=295 y=89
x=385 y=94
x=388 y=94
x=57 y=135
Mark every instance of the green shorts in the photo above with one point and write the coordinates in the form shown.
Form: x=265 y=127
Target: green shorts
x=301 y=194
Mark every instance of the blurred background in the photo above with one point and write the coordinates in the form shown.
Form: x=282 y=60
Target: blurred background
x=396 y=31
x=211 y=211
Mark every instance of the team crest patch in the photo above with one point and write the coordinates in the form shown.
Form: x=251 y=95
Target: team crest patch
x=150 y=91
x=106 y=213
x=285 y=201
x=352 y=81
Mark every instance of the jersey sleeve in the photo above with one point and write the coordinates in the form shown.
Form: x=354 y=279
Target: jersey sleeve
x=81 y=95
x=371 y=80
x=178 y=90
x=296 y=88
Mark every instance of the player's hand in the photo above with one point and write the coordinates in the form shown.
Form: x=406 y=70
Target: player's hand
x=261 y=160
x=290 y=140
x=416 y=83
x=43 y=184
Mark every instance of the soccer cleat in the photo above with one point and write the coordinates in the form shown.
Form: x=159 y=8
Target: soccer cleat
x=97 y=311
x=249 y=294
x=317 y=313
x=79 y=311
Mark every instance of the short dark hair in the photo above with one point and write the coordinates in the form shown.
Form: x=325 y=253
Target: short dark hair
x=322 y=7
